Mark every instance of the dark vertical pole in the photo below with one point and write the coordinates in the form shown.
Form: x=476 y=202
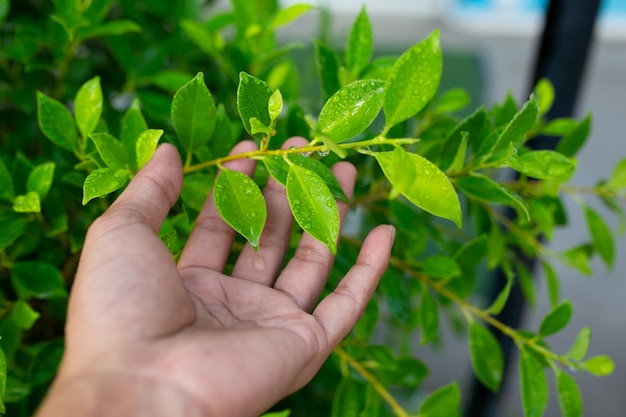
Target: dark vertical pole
x=565 y=44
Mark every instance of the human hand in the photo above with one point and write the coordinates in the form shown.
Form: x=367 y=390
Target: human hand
x=145 y=336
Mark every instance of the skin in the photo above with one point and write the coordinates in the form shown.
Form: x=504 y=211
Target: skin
x=147 y=337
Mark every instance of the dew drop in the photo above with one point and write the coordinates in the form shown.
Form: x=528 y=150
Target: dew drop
x=323 y=153
x=307 y=154
x=292 y=148
x=336 y=99
x=245 y=78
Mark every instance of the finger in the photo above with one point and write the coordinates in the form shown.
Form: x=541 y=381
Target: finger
x=212 y=238
x=306 y=273
x=340 y=310
x=262 y=266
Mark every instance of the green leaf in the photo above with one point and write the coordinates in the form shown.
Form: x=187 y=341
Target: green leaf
x=103 y=181
x=600 y=365
x=579 y=348
x=3 y=372
x=209 y=42
x=556 y=319
x=486 y=356
x=56 y=122
x=23 y=315
x=88 y=106
x=618 y=176
x=500 y=301
x=515 y=131
x=544 y=91
x=428 y=317
x=13 y=226
x=284 y=413
x=444 y=402
x=364 y=328
x=347 y=401
x=40 y=179
x=111 y=150
x=440 y=267
x=570 y=400
x=196 y=188
x=552 y=282
x=533 y=385
x=275 y=105
x=194 y=114
x=37 y=279
x=279 y=169
x=483 y=188
x=601 y=236
x=380 y=68
x=452 y=101
x=313 y=205
x=351 y=110
x=253 y=96
x=115 y=27
x=360 y=44
x=6 y=183
x=241 y=204
x=287 y=15
x=413 y=81
x=5 y=6
x=471 y=127
x=421 y=182
x=327 y=69
x=578 y=257
x=146 y=145
x=27 y=203
x=133 y=124
x=170 y=80
x=570 y=144
x=544 y=165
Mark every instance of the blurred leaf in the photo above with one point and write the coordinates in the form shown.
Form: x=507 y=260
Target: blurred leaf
x=559 y=127
x=360 y=44
x=12 y=226
x=579 y=348
x=578 y=257
x=88 y=106
x=526 y=283
x=570 y=401
x=534 y=385
x=327 y=69
x=6 y=183
x=103 y=181
x=194 y=114
x=440 y=267
x=5 y=6
x=452 y=101
x=196 y=188
x=40 y=179
x=500 y=301
x=146 y=145
x=472 y=127
x=27 y=203
x=253 y=96
x=544 y=165
x=46 y=362
x=600 y=365
x=413 y=81
x=556 y=319
x=486 y=356
x=618 y=176
x=313 y=206
x=428 y=317
x=601 y=236
x=348 y=399
x=421 y=182
x=285 y=16
x=366 y=325
x=241 y=204
x=570 y=144
x=285 y=413
x=56 y=123
x=3 y=365
x=37 y=279
x=23 y=315
x=380 y=68
x=351 y=110
x=552 y=282
x=115 y=27
x=444 y=402
x=544 y=91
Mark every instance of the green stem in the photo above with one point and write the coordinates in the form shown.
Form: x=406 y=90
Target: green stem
x=397 y=409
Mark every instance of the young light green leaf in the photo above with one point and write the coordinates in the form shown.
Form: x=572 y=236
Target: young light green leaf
x=24 y=315
x=257 y=127
x=579 y=348
x=40 y=179
x=444 y=402
x=351 y=110
x=578 y=257
x=284 y=413
x=7 y=191
x=556 y=319
x=601 y=236
x=486 y=356
x=421 y=182
x=287 y=15
x=544 y=91
x=194 y=114
x=440 y=267
x=327 y=69
x=515 y=131
x=275 y=105
x=146 y=145
x=313 y=206
x=241 y=204
x=618 y=176
x=413 y=81
x=544 y=164
x=27 y=203
x=428 y=317
x=56 y=122
x=360 y=44
x=600 y=365
x=483 y=188
x=103 y=181
x=88 y=106
x=37 y=279
x=570 y=400
x=570 y=144
x=110 y=149
x=533 y=385
x=500 y=301
x=452 y=101
x=253 y=96
x=133 y=124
